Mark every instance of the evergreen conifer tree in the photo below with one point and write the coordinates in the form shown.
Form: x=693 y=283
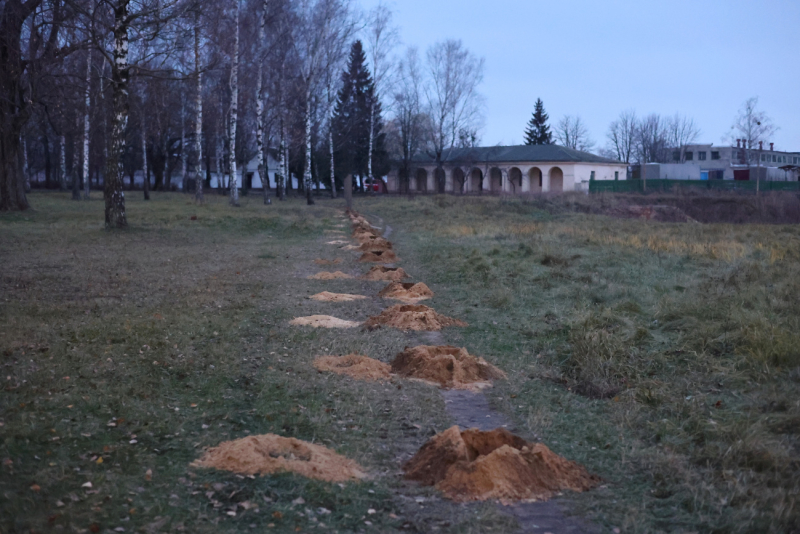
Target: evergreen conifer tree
x=538 y=132
x=351 y=121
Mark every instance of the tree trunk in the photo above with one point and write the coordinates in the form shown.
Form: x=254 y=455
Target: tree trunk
x=145 y=170
x=330 y=147
x=86 y=126
x=112 y=181
x=234 y=193
x=263 y=172
x=307 y=163
x=14 y=108
x=348 y=191
x=184 y=178
x=76 y=166
x=371 y=142
x=281 y=185
x=48 y=164
x=26 y=172
x=62 y=162
x=198 y=119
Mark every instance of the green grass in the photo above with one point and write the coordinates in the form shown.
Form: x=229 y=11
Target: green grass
x=664 y=357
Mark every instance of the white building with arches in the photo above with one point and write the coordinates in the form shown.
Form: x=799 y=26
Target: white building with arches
x=506 y=169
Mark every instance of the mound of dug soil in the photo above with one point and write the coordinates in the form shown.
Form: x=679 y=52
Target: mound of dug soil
x=407 y=292
x=412 y=317
x=320 y=261
x=379 y=272
x=327 y=296
x=450 y=367
x=323 y=321
x=351 y=247
x=329 y=276
x=378 y=243
x=354 y=365
x=476 y=466
x=379 y=256
x=268 y=453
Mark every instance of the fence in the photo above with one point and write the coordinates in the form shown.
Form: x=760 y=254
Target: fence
x=640 y=186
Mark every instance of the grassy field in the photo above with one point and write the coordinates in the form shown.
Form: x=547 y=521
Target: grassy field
x=664 y=357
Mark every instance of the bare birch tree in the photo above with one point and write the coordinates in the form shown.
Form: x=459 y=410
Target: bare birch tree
x=452 y=99
x=571 y=132
x=198 y=113
x=87 y=102
x=234 y=109
x=621 y=136
x=408 y=110
x=381 y=39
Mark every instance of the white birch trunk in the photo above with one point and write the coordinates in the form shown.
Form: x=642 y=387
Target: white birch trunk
x=198 y=119
x=262 y=166
x=112 y=190
x=369 y=153
x=330 y=148
x=219 y=158
x=307 y=163
x=86 y=126
x=62 y=162
x=234 y=198
x=282 y=165
x=145 y=170
x=183 y=143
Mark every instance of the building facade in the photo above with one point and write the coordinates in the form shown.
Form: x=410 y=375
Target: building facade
x=738 y=162
x=505 y=169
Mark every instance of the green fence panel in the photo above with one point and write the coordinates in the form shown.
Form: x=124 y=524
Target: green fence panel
x=640 y=186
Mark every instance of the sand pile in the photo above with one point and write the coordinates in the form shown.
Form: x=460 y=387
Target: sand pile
x=327 y=296
x=337 y=242
x=378 y=243
x=379 y=256
x=351 y=247
x=323 y=321
x=412 y=317
x=364 y=236
x=379 y=272
x=450 y=367
x=320 y=261
x=407 y=292
x=354 y=365
x=324 y=275
x=268 y=453
x=478 y=466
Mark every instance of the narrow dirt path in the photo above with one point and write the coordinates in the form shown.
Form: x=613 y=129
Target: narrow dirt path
x=472 y=410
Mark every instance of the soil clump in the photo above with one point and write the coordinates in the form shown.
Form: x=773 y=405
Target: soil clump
x=268 y=453
x=320 y=261
x=379 y=272
x=324 y=275
x=379 y=256
x=327 y=296
x=323 y=321
x=378 y=243
x=412 y=317
x=407 y=292
x=476 y=465
x=355 y=366
x=449 y=367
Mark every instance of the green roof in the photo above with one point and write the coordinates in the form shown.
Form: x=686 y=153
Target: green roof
x=512 y=154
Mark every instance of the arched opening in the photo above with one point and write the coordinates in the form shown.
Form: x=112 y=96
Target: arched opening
x=556 y=180
x=458 y=180
x=422 y=181
x=515 y=180
x=496 y=180
x=439 y=179
x=476 y=181
x=536 y=179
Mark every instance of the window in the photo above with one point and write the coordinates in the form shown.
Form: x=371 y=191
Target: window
x=701 y=156
x=592 y=176
x=616 y=174
x=676 y=156
x=763 y=157
x=774 y=158
x=794 y=161
x=689 y=156
x=715 y=154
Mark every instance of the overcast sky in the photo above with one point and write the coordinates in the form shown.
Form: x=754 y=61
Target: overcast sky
x=595 y=59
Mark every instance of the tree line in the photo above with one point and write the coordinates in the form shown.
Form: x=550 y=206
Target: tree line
x=94 y=93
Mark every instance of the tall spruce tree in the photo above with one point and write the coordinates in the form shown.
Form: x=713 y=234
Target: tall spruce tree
x=538 y=132
x=351 y=121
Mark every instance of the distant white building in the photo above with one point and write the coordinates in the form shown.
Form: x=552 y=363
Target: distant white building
x=707 y=162
x=508 y=169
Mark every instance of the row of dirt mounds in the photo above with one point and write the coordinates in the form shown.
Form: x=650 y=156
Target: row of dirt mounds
x=475 y=465
x=379 y=272
x=323 y=321
x=378 y=243
x=407 y=292
x=379 y=256
x=269 y=453
x=324 y=275
x=446 y=366
x=355 y=366
x=412 y=317
x=449 y=367
x=327 y=296
x=320 y=261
